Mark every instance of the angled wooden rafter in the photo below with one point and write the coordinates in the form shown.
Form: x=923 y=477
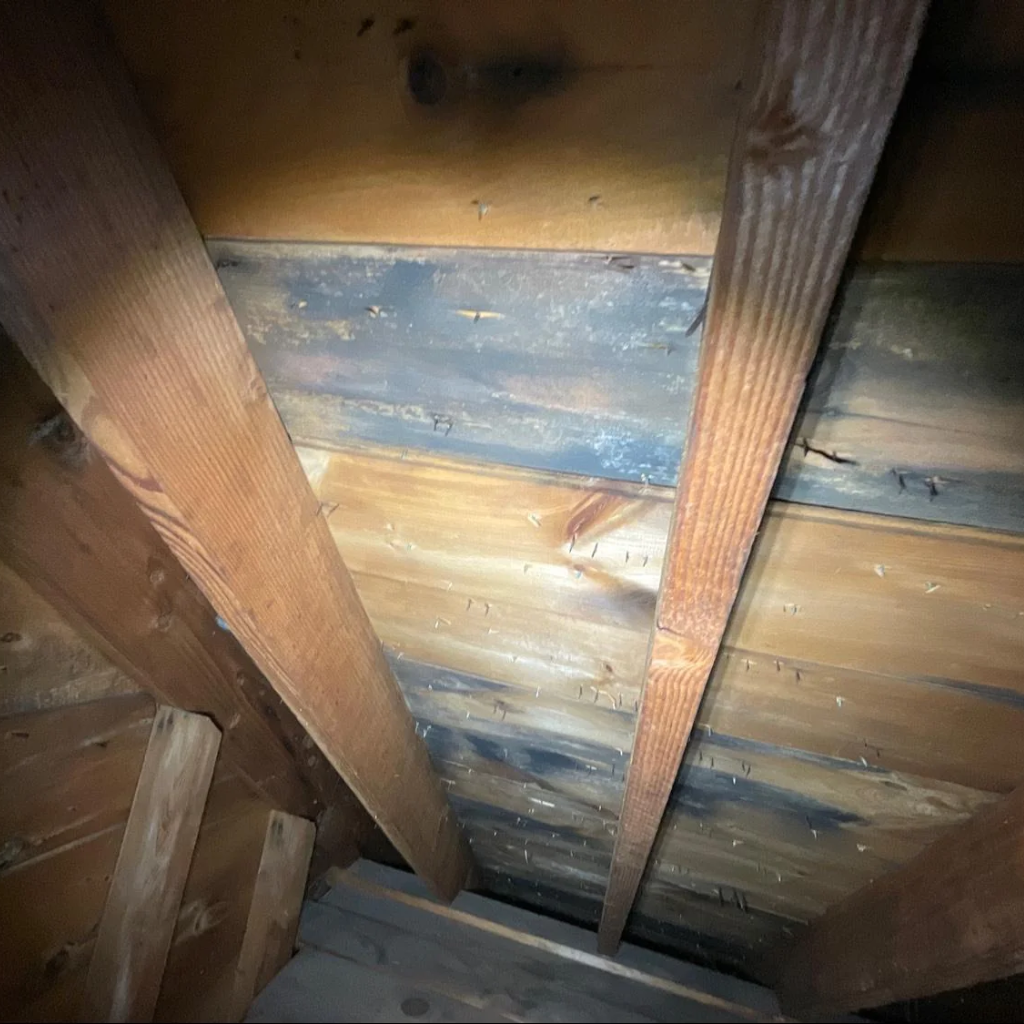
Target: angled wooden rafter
x=950 y=918
x=74 y=534
x=109 y=292
x=824 y=84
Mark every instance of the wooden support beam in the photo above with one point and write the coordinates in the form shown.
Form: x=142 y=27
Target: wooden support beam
x=950 y=918
x=71 y=531
x=110 y=293
x=824 y=83
x=141 y=911
x=276 y=903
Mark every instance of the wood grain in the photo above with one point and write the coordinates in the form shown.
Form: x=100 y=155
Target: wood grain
x=506 y=960
x=948 y=919
x=569 y=361
x=44 y=663
x=199 y=979
x=915 y=628
x=576 y=125
x=298 y=125
x=276 y=902
x=826 y=85
x=67 y=774
x=126 y=321
x=581 y=365
x=138 y=921
x=73 y=531
x=51 y=909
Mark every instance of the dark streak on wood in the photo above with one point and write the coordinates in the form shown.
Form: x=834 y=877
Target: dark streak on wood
x=918 y=373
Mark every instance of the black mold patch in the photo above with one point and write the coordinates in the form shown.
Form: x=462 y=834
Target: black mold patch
x=699 y=792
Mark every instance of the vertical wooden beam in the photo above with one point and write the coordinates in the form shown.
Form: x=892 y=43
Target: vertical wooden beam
x=110 y=293
x=145 y=892
x=824 y=83
x=276 y=903
x=950 y=918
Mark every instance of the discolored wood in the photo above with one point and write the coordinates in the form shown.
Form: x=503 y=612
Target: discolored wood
x=126 y=320
x=138 y=921
x=583 y=124
x=276 y=902
x=569 y=361
x=529 y=382
x=948 y=919
x=853 y=636
x=44 y=663
x=826 y=83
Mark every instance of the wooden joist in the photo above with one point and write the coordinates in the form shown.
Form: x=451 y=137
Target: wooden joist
x=825 y=80
x=951 y=918
x=69 y=529
x=276 y=902
x=108 y=290
x=141 y=911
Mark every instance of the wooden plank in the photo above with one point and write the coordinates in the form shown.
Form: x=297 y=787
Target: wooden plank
x=44 y=663
x=70 y=529
x=51 y=906
x=578 y=126
x=568 y=361
x=317 y=987
x=276 y=902
x=854 y=636
x=240 y=107
x=634 y=964
x=789 y=833
x=138 y=920
x=826 y=86
x=948 y=919
x=871 y=435
x=50 y=909
x=175 y=403
x=382 y=345
x=67 y=774
x=199 y=978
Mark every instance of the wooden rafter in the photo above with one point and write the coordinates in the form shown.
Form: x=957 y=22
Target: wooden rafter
x=70 y=530
x=142 y=904
x=950 y=918
x=824 y=84
x=109 y=292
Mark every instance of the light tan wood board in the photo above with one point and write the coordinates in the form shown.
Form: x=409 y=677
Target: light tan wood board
x=297 y=122
x=868 y=697
x=857 y=628
x=568 y=125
